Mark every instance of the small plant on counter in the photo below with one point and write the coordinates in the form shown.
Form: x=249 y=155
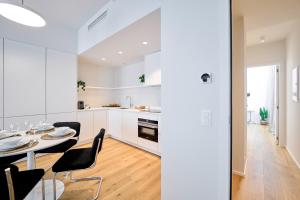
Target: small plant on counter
x=81 y=85
x=142 y=78
x=264 y=114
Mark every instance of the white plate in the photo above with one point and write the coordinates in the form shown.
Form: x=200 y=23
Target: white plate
x=61 y=131
x=13 y=143
x=44 y=127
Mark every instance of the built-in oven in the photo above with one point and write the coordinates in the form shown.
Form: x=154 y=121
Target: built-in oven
x=148 y=129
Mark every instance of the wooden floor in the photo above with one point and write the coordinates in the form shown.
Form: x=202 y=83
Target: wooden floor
x=271 y=174
x=129 y=174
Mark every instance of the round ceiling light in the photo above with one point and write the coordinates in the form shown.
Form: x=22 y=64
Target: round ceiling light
x=21 y=15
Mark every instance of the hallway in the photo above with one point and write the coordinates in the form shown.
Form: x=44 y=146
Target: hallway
x=271 y=174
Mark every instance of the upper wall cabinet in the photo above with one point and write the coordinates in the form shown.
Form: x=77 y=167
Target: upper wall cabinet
x=153 y=69
x=24 y=79
x=61 y=78
x=1 y=78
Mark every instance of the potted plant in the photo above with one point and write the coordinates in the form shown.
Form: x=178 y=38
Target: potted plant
x=264 y=114
x=142 y=79
x=81 y=85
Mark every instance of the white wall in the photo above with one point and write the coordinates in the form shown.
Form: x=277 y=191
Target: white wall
x=293 y=108
x=195 y=158
x=272 y=54
x=120 y=15
x=129 y=75
x=50 y=36
x=239 y=127
x=116 y=77
x=96 y=76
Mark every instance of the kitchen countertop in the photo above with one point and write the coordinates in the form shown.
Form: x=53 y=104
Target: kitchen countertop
x=121 y=109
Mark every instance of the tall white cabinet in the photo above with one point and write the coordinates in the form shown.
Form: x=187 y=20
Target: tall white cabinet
x=36 y=84
x=24 y=79
x=61 y=77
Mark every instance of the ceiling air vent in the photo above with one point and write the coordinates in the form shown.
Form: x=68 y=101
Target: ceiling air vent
x=97 y=20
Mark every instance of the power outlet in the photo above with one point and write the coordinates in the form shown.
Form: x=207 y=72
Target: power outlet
x=206 y=118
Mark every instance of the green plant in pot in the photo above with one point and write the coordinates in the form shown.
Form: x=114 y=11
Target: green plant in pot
x=142 y=78
x=264 y=115
x=81 y=85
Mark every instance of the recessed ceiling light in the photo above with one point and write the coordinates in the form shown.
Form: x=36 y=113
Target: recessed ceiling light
x=103 y=59
x=262 y=39
x=22 y=15
x=145 y=43
x=120 y=52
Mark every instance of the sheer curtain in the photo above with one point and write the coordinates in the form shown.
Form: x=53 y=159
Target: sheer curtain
x=261 y=84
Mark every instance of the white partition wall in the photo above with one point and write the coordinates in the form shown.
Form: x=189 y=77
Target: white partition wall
x=196 y=117
x=24 y=79
x=61 y=78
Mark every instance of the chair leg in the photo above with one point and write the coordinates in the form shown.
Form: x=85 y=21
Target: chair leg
x=98 y=179
x=10 y=184
x=43 y=188
x=54 y=187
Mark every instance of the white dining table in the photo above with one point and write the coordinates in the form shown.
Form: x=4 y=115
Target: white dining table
x=36 y=193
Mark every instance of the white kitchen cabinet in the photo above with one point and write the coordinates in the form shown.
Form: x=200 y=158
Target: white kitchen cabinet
x=153 y=69
x=24 y=79
x=85 y=118
x=1 y=78
x=130 y=127
x=61 y=82
x=148 y=145
x=115 y=123
x=61 y=117
x=20 y=121
x=100 y=121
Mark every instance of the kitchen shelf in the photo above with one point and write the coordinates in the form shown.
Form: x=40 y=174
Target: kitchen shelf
x=121 y=88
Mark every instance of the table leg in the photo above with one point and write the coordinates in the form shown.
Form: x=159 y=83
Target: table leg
x=36 y=193
x=30 y=160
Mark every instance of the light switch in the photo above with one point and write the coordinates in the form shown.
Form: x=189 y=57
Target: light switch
x=206 y=118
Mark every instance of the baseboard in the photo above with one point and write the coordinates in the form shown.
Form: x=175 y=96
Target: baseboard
x=243 y=174
x=238 y=173
x=293 y=157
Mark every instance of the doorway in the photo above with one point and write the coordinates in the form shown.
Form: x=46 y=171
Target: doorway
x=263 y=98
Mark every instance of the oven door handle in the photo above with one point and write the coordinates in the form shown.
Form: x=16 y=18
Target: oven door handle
x=150 y=127
x=147 y=125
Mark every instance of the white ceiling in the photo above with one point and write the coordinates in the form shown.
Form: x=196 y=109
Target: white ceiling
x=67 y=13
x=270 y=18
x=129 y=41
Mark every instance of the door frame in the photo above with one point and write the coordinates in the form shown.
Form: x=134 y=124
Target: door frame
x=277 y=77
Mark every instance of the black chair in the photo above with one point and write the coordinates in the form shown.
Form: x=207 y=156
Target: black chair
x=16 y=185
x=10 y=159
x=79 y=159
x=63 y=147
